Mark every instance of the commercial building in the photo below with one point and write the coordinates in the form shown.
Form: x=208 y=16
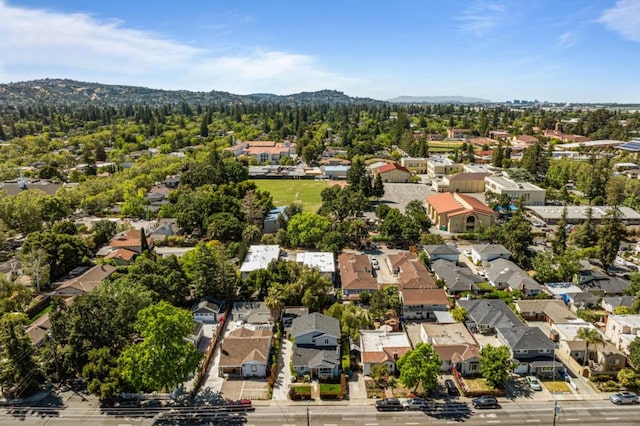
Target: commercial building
x=455 y=212
x=465 y=182
x=578 y=214
x=532 y=195
x=415 y=164
x=440 y=166
x=259 y=257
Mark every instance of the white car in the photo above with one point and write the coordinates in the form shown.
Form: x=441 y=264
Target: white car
x=374 y=263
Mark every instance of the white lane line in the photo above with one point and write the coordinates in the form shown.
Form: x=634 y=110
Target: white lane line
x=494 y=421
x=412 y=423
x=533 y=420
x=330 y=424
x=612 y=418
x=572 y=420
x=371 y=424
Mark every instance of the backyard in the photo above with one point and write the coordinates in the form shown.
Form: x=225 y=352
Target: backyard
x=284 y=191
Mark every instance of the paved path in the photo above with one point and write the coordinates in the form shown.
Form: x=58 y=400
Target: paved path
x=281 y=387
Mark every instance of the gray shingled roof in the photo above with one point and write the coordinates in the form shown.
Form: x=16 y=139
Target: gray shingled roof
x=456 y=278
x=503 y=271
x=315 y=322
x=314 y=357
x=492 y=312
x=526 y=338
x=441 y=249
x=490 y=249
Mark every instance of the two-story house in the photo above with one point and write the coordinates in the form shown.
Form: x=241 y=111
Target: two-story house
x=503 y=274
x=622 y=330
x=532 y=350
x=422 y=303
x=316 y=345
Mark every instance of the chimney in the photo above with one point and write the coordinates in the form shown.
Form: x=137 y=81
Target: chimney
x=395 y=355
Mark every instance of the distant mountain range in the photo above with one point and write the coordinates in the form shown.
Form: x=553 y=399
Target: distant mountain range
x=62 y=91
x=437 y=100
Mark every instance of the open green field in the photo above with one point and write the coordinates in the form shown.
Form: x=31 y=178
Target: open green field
x=284 y=191
x=436 y=146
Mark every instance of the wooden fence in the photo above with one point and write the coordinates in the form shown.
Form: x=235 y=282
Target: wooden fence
x=202 y=373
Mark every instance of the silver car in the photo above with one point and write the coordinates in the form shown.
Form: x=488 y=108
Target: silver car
x=624 y=398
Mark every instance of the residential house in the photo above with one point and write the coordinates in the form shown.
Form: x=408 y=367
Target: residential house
x=245 y=353
x=442 y=251
x=316 y=345
x=410 y=271
x=208 y=311
x=259 y=257
x=501 y=135
x=602 y=359
x=84 y=283
x=130 y=240
x=422 y=303
x=39 y=330
x=393 y=172
x=457 y=279
x=456 y=212
x=455 y=346
x=531 y=349
x=121 y=257
x=356 y=275
x=581 y=300
x=609 y=304
x=441 y=166
x=524 y=141
x=486 y=315
x=532 y=195
x=168 y=251
x=165 y=228
x=550 y=311
x=622 y=330
x=251 y=313
x=196 y=334
x=271 y=222
x=15 y=186
x=503 y=274
x=382 y=347
x=488 y=252
x=322 y=261
x=465 y=182
x=597 y=282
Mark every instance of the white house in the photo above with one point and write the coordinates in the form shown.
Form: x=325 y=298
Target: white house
x=381 y=347
x=259 y=257
x=207 y=312
x=488 y=252
x=323 y=261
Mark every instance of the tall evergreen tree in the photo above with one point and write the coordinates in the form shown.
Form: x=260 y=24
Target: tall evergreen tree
x=19 y=374
x=378 y=187
x=609 y=236
x=560 y=240
x=586 y=234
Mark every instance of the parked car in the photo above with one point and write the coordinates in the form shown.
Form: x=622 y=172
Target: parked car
x=452 y=389
x=624 y=398
x=374 y=263
x=389 y=404
x=414 y=404
x=485 y=401
x=534 y=383
x=240 y=405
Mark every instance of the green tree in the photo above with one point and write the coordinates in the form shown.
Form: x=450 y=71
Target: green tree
x=103 y=231
x=352 y=318
x=164 y=359
x=634 y=352
x=378 y=187
x=103 y=374
x=591 y=336
x=516 y=236
x=560 y=241
x=610 y=234
x=417 y=212
x=535 y=160
x=495 y=364
x=627 y=377
x=459 y=313
x=431 y=239
x=307 y=228
x=585 y=235
x=20 y=375
x=420 y=366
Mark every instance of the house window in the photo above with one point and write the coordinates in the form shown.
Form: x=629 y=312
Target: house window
x=326 y=341
x=254 y=368
x=614 y=362
x=473 y=367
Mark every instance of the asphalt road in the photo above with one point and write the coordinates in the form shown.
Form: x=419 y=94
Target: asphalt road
x=511 y=413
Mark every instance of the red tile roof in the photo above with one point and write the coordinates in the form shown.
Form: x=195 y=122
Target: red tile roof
x=392 y=166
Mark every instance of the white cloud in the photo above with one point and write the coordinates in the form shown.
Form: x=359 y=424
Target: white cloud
x=566 y=39
x=38 y=43
x=482 y=17
x=623 y=18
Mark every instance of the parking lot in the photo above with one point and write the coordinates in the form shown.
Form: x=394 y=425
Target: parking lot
x=398 y=195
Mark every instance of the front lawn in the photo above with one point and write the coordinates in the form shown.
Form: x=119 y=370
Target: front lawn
x=557 y=386
x=478 y=385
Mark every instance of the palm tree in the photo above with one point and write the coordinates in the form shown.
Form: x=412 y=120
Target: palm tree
x=251 y=233
x=591 y=336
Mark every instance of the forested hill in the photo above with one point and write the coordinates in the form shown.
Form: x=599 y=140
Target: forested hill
x=57 y=91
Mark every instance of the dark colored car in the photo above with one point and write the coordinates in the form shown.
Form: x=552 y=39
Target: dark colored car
x=389 y=404
x=452 y=389
x=485 y=401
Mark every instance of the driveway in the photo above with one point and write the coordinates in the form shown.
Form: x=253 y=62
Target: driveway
x=357 y=387
x=281 y=386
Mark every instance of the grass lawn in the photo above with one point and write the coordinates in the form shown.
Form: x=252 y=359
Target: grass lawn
x=557 y=386
x=478 y=385
x=330 y=388
x=41 y=313
x=284 y=191
x=302 y=389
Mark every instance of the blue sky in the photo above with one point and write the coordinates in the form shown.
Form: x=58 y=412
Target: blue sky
x=561 y=50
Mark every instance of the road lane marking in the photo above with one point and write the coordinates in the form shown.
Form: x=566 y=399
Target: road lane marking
x=412 y=423
x=612 y=418
x=330 y=424
x=533 y=420
x=494 y=421
x=573 y=420
x=371 y=424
